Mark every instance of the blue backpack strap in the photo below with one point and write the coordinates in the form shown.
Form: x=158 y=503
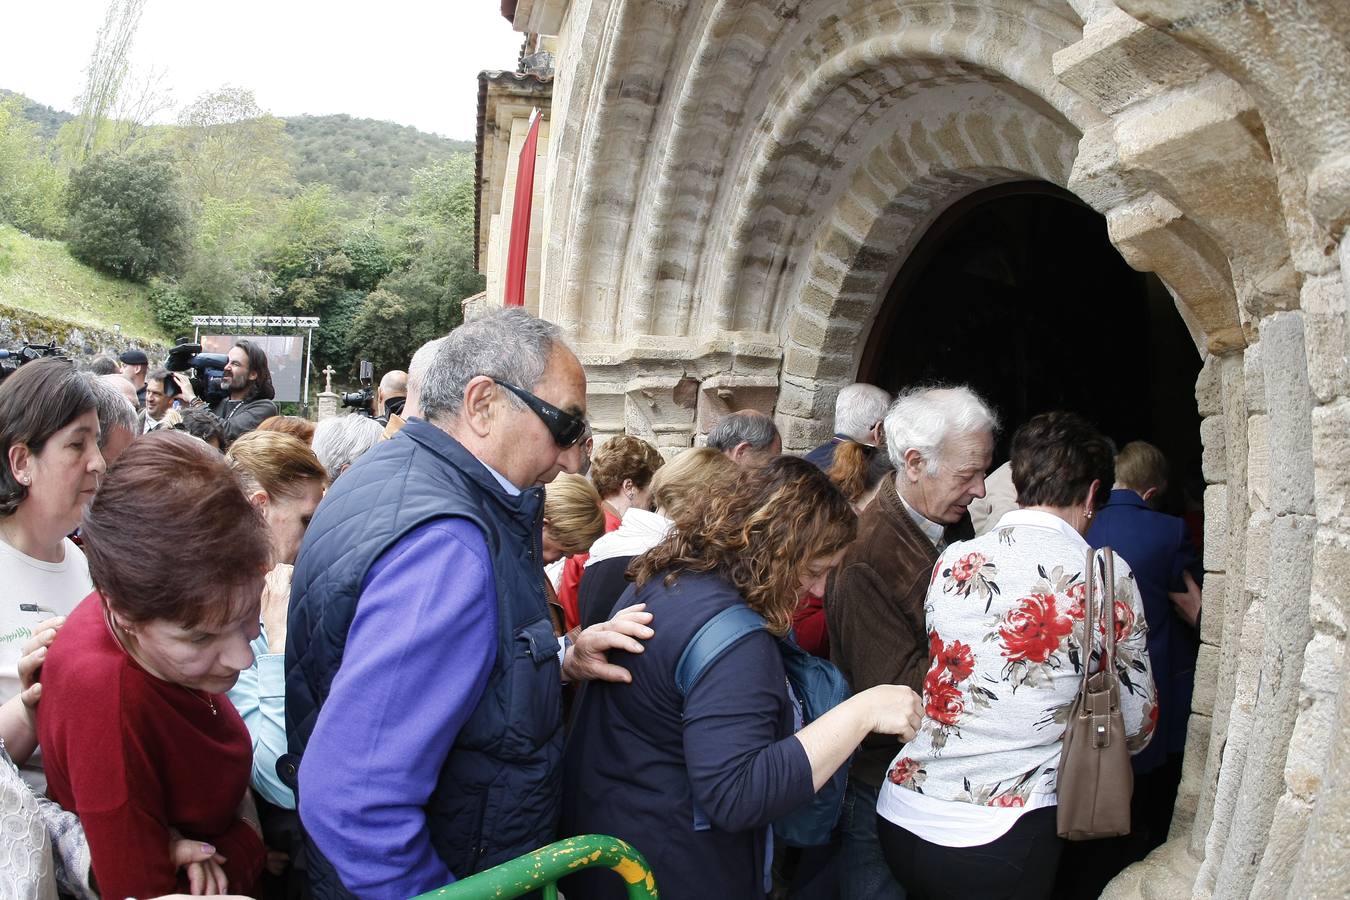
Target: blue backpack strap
x=711 y=641
x=708 y=643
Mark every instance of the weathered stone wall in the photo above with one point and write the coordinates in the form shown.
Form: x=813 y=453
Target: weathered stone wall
x=18 y=326
x=732 y=187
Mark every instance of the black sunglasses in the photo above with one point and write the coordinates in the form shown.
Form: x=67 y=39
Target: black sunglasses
x=566 y=428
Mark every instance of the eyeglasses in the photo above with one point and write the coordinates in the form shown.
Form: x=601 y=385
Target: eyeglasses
x=566 y=428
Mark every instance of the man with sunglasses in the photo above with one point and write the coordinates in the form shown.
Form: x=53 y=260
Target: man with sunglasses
x=423 y=676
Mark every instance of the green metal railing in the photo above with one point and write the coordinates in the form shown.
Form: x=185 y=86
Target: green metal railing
x=542 y=869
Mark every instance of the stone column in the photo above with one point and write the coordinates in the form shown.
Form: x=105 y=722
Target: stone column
x=328 y=405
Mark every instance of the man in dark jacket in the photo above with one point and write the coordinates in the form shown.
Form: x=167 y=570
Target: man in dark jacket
x=941 y=441
x=422 y=672
x=249 y=383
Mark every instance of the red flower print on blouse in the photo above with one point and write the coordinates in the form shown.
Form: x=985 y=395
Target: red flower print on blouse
x=958 y=660
x=903 y=771
x=942 y=700
x=1124 y=620
x=1076 y=594
x=1007 y=800
x=967 y=566
x=1034 y=630
x=935 y=648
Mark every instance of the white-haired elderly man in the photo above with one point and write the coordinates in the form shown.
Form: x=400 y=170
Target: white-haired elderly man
x=941 y=441
x=423 y=677
x=858 y=412
x=340 y=440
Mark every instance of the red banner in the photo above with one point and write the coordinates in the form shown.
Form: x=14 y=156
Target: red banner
x=518 y=252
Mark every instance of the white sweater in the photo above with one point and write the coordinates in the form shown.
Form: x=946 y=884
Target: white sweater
x=1004 y=614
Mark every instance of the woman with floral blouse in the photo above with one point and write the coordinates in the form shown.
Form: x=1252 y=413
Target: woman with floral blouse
x=968 y=809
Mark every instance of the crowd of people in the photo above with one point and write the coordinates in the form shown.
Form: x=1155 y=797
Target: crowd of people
x=248 y=654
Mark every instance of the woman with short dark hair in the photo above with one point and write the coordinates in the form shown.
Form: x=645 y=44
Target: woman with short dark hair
x=643 y=757
x=139 y=738
x=50 y=466
x=969 y=806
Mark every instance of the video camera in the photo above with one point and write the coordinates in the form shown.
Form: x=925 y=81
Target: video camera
x=363 y=401
x=207 y=371
x=10 y=360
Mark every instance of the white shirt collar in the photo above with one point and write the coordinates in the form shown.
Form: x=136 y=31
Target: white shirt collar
x=931 y=530
x=507 y=486
x=1036 y=518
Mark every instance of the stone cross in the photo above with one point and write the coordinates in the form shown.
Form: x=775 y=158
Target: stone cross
x=328 y=372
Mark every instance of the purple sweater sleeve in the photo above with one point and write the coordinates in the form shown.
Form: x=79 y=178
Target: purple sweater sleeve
x=418 y=655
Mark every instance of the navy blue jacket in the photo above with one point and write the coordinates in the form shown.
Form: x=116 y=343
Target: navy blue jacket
x=823 y=456
x=1158 y=549
x=497 y=795
x=638 y=754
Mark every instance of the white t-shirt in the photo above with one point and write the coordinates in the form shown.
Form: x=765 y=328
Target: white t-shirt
x=54 y=588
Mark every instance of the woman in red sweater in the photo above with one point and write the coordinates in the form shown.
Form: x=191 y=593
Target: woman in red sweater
x=139 y=739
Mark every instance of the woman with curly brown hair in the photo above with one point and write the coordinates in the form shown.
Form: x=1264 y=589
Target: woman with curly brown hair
x=643 y=756
x=621 y=471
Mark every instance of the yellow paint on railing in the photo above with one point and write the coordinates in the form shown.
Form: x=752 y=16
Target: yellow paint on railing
x=631 y=871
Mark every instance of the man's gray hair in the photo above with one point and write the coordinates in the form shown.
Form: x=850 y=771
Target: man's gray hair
x=859 y=407
x=746 y=426
x=417 y=373
x=114 y=411
x=340 y=440
x=926 y=418
x=507 y=345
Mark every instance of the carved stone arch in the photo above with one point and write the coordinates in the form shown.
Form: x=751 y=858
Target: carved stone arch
x=890 y=198
x=867 y=65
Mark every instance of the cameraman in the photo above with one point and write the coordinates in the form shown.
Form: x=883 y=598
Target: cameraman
x=391 y=395
x=249 y=384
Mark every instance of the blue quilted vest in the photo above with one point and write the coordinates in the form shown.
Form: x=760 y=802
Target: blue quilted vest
x=497 y=795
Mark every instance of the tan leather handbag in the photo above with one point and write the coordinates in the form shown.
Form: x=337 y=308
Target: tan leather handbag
x=1095 y=780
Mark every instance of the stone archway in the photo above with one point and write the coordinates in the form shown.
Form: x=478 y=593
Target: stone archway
x=734 y=183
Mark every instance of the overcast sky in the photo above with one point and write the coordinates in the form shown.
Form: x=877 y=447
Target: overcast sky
x=410 y=62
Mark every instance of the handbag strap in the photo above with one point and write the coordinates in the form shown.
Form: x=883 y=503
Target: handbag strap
x=1092 y=615
x=1109 y=598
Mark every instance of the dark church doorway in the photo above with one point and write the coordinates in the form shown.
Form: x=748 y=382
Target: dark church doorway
x=1018 y=292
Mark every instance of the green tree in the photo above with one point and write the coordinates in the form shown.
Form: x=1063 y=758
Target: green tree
x=31 y=187
x=127 y=215
x=104 y=77
x=231 y=149
x=416 y=304
x=442 y=197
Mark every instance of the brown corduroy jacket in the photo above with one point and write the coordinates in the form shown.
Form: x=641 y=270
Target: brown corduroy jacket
x=874 y=607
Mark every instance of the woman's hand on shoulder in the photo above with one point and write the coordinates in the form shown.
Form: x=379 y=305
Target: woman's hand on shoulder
x=893 y=709
x=34 y=655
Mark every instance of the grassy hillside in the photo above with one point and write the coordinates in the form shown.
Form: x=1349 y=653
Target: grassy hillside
x=41 y=276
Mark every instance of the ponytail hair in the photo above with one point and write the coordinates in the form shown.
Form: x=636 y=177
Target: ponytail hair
x=858 y=468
